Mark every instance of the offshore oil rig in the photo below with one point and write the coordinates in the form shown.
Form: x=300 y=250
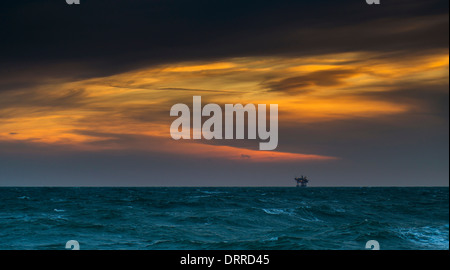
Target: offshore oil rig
x=301 y=181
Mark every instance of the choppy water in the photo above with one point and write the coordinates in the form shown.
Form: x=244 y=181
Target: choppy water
x=224 y=218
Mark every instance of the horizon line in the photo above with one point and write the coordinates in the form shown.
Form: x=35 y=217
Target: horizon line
x=110 y=186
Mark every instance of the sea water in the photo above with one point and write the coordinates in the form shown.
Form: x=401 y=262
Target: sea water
x=237 y=218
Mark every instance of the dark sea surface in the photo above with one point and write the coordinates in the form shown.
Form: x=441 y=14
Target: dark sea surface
x=224 y=218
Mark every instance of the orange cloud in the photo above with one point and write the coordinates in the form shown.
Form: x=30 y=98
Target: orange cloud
x=137 y=103
x=200 y=150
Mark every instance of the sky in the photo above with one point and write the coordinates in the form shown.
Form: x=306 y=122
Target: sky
x=86 y=90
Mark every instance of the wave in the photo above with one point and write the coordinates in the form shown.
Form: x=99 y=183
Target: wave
x=426 y=237
x=275 y=211
x=226 y=218
x=212 y=192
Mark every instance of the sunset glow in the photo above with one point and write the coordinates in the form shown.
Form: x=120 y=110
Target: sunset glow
x=314 y=89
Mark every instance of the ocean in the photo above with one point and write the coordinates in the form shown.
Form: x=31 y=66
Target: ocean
x=224 y=218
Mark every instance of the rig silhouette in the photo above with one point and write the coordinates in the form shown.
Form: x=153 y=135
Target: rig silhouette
x=301 y=181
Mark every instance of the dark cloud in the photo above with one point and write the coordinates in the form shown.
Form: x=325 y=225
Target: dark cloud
x=38 y=99
x=112 y=36
x=430 y=99
x=304 y=83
